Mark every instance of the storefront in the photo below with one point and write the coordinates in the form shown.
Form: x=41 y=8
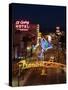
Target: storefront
x=24 y=36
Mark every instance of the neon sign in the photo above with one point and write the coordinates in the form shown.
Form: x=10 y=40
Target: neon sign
x=22 y=25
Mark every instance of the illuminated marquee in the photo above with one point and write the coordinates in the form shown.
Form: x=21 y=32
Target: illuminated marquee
x=22 y=25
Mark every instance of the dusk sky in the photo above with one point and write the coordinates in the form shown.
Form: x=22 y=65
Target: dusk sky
x=47 y=16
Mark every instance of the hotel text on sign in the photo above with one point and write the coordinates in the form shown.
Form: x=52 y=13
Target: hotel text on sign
x=22 y=25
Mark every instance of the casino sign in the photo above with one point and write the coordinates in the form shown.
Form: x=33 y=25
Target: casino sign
x=22 y=25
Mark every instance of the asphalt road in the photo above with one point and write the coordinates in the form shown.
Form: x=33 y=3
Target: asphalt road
x=42 y=76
